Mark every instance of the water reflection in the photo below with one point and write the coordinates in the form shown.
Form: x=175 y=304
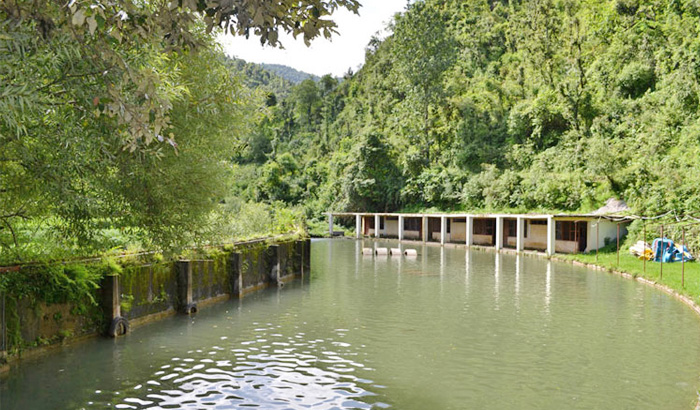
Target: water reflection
x=518 y=268
x=270 y=371
x=497 y=279
x=548 y=287
x=350 y=339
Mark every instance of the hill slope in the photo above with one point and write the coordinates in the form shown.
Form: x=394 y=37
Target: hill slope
x=289 y=73
x=544 y=105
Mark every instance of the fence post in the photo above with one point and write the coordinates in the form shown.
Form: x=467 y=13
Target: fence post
x=644 y=239
x=597 y=239
x=661 y=257
x=683 y=259
x=618 y=244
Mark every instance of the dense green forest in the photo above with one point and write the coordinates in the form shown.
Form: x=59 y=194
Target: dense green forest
x=123 y=124
x=120 y=122
x=497 y=105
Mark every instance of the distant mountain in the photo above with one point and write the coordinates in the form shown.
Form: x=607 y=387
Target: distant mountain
x=257 y=76
x=289 y=73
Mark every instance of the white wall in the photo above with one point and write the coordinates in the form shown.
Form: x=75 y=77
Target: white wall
x=411 y=234
x=391 y=228
x=458 y=232
x=607 y=229
x=564 y=246
x=483 y=240
x=536 y=237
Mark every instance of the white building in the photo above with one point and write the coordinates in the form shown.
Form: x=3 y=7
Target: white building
x=550 y=233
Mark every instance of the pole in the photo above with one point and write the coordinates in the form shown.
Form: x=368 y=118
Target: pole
x=683 y=258
x=618 y=244
x=644 y=239
x=597 y=239
x=661 y=257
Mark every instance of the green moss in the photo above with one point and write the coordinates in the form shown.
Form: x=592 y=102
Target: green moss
x=126 y=303
x=111 y=266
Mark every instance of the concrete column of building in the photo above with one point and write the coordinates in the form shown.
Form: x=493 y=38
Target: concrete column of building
x=330 y=224
x=443 y=229
x=520 y=232
x=401 y=227
x=551 y=235
x=470 y=230
x=376 y=226
x=499 y=232
x=424 y=222
x=358 y=226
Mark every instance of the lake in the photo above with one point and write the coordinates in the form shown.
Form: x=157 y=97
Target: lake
x=449 y=329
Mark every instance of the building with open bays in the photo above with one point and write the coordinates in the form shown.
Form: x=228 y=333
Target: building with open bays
x=549 y=233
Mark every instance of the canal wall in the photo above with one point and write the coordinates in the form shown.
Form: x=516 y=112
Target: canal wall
x=45 y=306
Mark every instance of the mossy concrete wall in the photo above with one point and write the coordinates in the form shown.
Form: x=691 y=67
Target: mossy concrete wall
x=142 y=292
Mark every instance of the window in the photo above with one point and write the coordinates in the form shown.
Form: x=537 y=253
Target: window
x=512 y=227
x=484 y=226
x=566 y=230
x=411 y=224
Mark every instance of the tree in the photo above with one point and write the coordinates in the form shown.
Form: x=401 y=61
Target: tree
x=91 y=97
x=372 y=181
x=424 y=51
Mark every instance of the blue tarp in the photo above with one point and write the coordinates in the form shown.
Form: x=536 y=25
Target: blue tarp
x=665 y=250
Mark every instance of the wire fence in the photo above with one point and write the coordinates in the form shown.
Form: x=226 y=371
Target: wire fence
x=683 y=229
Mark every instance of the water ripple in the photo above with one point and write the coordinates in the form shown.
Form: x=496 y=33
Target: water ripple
x=267 y=377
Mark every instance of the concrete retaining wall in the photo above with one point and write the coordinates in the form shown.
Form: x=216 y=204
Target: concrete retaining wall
x=145 y=292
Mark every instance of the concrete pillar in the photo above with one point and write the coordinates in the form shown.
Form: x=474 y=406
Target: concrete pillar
x=358 y=226
x=470 y=230
x=184 y=287
x=111 y=302
x=551 y=235
x=443 y=229
x=401 y=227
x=330 y=224
x=272 y=256
x=499 y=232
x=424 y=221
x=376 y=225
x=520 y=234
x=111 y=305
x=235 y=279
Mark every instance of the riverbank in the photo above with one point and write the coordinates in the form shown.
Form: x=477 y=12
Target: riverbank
x=674 y=278
x=44 y=306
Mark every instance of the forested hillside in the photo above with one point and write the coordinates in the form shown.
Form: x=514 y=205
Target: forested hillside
x=288 y=73
x=140 y=133
x=499 y=105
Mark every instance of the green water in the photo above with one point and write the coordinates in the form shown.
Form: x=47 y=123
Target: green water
x=449 y=329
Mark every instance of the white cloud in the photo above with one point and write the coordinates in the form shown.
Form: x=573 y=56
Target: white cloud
x=344 y=51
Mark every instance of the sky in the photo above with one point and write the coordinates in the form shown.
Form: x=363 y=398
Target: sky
x=346 y=50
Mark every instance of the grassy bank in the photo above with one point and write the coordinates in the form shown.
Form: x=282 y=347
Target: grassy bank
x=668 y=274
